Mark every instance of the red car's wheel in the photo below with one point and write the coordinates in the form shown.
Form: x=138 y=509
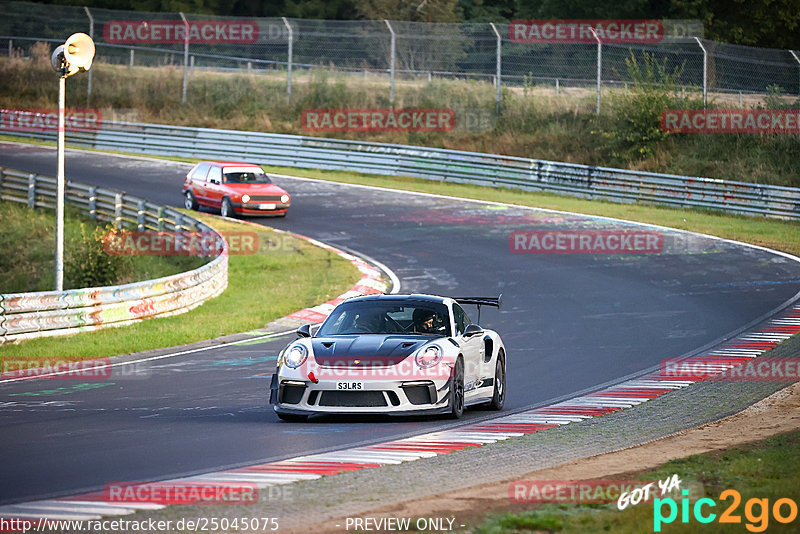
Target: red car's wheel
x=226 y=210
x=189 y=202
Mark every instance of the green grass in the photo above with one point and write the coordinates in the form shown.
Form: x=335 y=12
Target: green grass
x=764 y=470
x=287 y=274
x=27 y=262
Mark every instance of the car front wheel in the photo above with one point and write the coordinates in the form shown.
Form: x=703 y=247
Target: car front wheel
x=226 y=210
x=457 y=390
x=499 y=396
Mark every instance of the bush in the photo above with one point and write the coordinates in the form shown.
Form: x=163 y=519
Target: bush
x=777 y=99
x=89 y=265
x=634 y=129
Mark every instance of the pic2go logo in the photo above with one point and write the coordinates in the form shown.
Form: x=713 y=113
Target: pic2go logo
x=758 y=521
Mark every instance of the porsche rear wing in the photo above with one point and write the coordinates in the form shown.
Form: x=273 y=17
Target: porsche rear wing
x=481 y=301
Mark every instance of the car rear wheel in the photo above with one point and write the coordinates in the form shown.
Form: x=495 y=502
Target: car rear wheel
x=189 y=202
x=499 y=396
x=226 y=210
x=457 y=390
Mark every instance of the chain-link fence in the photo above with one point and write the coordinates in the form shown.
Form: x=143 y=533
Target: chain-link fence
x=398 y=51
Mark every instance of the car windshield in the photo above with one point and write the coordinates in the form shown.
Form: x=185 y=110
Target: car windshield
x=245 y=175
x=387 y=317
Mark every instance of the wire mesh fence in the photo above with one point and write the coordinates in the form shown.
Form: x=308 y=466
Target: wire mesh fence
x=398 y=51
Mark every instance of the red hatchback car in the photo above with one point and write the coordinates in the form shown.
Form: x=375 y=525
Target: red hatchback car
x=234 y=188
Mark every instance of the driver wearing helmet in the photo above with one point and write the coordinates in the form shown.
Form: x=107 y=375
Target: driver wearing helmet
x=425 y=321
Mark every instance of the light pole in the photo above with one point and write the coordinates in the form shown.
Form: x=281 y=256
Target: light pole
x=75 y=55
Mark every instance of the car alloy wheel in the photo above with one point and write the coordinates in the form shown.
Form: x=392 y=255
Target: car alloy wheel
x=499 y=396
x=457 y=390
x=189 y=201
x=227 y=209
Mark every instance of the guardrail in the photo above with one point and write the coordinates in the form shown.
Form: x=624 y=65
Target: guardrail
x=618 y=185
x=50 y=313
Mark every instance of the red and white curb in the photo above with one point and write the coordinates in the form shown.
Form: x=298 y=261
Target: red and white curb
x=618 y=397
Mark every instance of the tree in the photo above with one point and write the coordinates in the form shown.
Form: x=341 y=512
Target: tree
x=411 y=10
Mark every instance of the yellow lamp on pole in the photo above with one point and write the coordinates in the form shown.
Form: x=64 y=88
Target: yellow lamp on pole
x=75 y=55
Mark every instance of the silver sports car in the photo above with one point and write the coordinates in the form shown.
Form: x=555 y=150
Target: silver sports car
x=392 y=354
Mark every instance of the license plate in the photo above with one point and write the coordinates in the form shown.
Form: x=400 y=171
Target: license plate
x=350 y=386
x=266 y=206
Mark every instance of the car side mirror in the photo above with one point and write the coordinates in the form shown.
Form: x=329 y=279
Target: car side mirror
x=473 y=330
x=304 y=331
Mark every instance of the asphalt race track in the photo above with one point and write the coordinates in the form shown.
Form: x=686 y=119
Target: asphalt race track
x=569 y=322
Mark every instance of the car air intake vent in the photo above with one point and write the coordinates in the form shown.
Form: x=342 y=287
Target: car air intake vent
x=407 y=344
x=418 y=394
x=328 y=344
x=265 y=198
x=352 y=399
x=291 y=394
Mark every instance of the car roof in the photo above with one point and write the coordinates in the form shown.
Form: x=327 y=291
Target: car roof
x=414 y=296
x=231 y=164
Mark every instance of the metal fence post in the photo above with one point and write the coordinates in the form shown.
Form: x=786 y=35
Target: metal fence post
x=93 y=203
x=161 y=211
x=10 y=48
x=705 y=71
x=91 y=34
x=130 y=65
x=391 y=63
x=499 y=65
x=118 y=211
x=185 y=58
x=290 y=46
x=599 y=67
x=140 y=216
x=794 y=55
x=31 y=190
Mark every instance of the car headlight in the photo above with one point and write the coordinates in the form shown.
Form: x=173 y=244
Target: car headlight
x=429 y=356
x=295 y=356
x=284 y=198
x=245 y=198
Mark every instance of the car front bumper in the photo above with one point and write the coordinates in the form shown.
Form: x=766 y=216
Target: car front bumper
x=392 y=397
x=252 y=208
